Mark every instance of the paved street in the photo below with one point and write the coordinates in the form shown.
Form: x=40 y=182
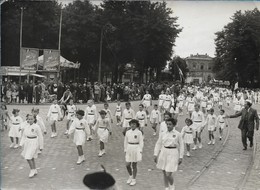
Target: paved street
x=57 y=167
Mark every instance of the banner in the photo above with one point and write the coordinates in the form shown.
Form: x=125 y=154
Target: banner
x=29 y=58
x=51 y=60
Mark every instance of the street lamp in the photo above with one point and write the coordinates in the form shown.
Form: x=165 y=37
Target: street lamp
x=108 y=27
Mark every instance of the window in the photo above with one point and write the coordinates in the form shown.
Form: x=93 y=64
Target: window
x=201 y=67
x=194 y=66
x=209 y=68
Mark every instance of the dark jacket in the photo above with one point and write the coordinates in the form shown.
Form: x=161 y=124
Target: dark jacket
x=251 y=121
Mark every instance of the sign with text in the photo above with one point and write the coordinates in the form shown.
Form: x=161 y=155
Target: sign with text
x=29 y=58
x=51 y=60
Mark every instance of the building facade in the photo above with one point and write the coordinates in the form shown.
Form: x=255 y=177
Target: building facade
x=200 y=68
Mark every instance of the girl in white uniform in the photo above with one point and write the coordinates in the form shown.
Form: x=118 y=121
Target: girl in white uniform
x=15 y=125
x=238 y=104
x=180 y=103
x=163 y=125
x=167 y=101
x=155 y=118
x=191 y=104
x=91 y=116
x=128 y=115
x=103 y=128
x=133 y=148
x=168 y=152
x=187 y=134
x=39 y=121
x=108 y=112
x=80 y=128
x=147 y=102
x=198 y=120
x=141 y=117
x=161 y=100
x=32 y=140
x=203 y=103
x=4 y=116
x=71 y=114
x=211 y=122
x=54 y=115
x=118 y=113
x=221 y=123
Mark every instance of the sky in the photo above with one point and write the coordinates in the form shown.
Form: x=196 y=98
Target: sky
x=200 y=21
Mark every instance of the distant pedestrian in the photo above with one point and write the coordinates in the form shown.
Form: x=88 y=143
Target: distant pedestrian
x=118 y=113
x=91 y=115
x=71 y=114
x=128 y=115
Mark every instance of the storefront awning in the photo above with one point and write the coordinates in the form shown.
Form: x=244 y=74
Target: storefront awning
x=37 y=75
x=15 y=74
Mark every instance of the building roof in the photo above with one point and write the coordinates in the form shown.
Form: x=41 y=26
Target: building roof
x=199 y=57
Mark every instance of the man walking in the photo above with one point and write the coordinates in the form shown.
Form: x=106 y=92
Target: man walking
x=248 y=122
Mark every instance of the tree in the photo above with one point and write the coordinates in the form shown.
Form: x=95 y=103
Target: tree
x=238 y=49
x=40 y=27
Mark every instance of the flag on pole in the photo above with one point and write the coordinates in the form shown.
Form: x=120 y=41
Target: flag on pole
x=236 y=86
x=180 y=73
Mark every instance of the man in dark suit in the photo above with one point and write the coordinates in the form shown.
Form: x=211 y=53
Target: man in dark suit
x=248 y=122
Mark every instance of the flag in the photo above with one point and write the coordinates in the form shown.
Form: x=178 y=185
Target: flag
x=51 y=60
x=180 y=73
x=236 y=86
x=29 y=58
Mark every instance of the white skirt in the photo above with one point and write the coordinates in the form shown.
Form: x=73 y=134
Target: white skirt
x=160 y=103
x=197 y=126
x=168 y=159
x=166 y=104
x=155 y=120
x=211 y=127
x=118 y=113
x=103 y=134
x=142 y=123
x=191 y=107
x=221 y=125
x=188 y=138
x=30 y=149
x=133 y=153
x=126 y=123
x=14 y=131
x=237 y=108
x=146 y=103
x=79 y=137
x=180 y=104
x=54 y=117
x=203 y=104
x=90 y=119
x=70 y=116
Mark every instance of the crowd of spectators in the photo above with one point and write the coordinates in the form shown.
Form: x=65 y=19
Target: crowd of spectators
x=42 y=91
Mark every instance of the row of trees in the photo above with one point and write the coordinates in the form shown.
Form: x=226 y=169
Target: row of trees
x=238 y=49
x=142 y=33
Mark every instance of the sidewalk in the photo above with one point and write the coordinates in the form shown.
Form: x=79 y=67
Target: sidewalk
x=252 y=179
x=233 y=169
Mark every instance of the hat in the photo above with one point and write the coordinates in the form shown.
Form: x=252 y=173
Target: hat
x=80 y=112
x=99 y=180
x=102 y=112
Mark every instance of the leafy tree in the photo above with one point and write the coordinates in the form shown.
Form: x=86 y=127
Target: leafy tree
x=238 y=49
x=40 y=27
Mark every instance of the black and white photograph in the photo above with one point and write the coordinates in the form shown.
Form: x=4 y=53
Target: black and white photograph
x=130 y=95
